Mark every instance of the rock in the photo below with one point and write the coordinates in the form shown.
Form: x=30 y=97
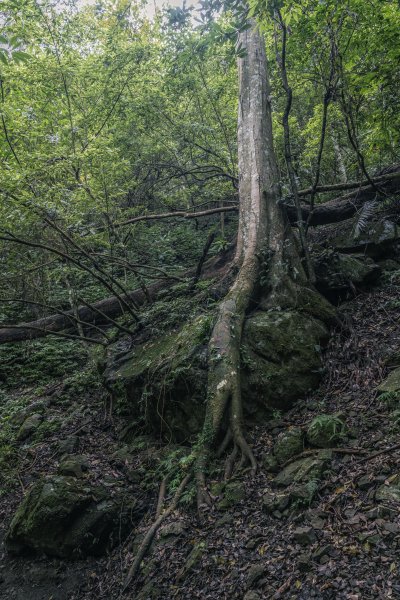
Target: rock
x=304 y=536
x=375 y=240
x=29 y=426
x=68 y=445
x=335 y=271
x=174 y=529
x=391 y=384
x=66 y=517
x=390 y=492
x=169 y=374
x=270 y=463
x=21 y=415
x=233 y=492
x=325 y=430
x=289 y=444
x=281 y=362
x=74 y=466
x=275 y=501
x=389 y=265
x=304 y=563
x=281 y=359
x=193 y=559
x=304 y=471
x=364 y=483
x=252 y=595
x=254 y=573
x=326 y=550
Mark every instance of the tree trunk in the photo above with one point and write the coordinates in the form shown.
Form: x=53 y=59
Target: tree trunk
x=261 y=233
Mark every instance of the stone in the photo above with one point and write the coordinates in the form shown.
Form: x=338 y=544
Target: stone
x=272 y=501
x=74 y=466
x=335 y=271
x=171 y=367
x=270 y=463
x=304 y=563
x=304 y=536
x=68 y=445
x=21 y=415
x=281 y=362
x=251 y=595
x=281 y=359
x=174 y=529
x=375 y=240
x=68 y=518
x=391 y=384
x=325 y=430
x=304 y=471
x=289 y=444
x=389 y=265
x=193 y=559
x=364 y=483
x=29 y=426
x=390 y=492
x=326 y=550
x=255 y=573
x=234 y=492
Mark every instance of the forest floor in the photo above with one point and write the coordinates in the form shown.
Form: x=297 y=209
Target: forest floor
x=354 y=547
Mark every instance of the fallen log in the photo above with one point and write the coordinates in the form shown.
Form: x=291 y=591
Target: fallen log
x=103 y=311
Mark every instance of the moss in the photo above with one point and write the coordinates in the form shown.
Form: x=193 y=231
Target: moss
x=64 y=517
x=166 y=379
x=283 y=358
x=391 y=384
x=289 y=444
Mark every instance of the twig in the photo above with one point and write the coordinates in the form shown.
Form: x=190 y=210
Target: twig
x=379 y=453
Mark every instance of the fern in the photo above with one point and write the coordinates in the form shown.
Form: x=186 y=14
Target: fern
x=367 y=211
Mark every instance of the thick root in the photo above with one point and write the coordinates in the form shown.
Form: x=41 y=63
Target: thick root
x=148 y=538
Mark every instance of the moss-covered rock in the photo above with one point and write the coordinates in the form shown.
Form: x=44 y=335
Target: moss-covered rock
x=29 y=426
x=73 y=466
x=391 y=384
x=289 y=444
x=166 y=379
x=281 y=358
x=64 y=517
x=325 y=430
x=304 y=471
x=375 y=239
x=389 y=493
x=336 y=271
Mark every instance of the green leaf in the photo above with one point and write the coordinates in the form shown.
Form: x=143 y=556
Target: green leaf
x=20 y=56
x=3 y=56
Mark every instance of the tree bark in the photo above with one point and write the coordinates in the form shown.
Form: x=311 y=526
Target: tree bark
x=261 y=230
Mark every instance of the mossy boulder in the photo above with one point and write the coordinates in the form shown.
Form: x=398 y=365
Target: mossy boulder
x=337 y=271
x=325 y=430
x=64 y=517
x=298 y=483
x=390 y=492
x=29 y=426
x=281 y=358
x=289 y=444
x=391 y=384
x=165 y=379
x=304 y=471
x=374 y=240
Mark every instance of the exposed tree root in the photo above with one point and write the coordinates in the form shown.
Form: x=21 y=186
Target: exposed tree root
x=148 y=538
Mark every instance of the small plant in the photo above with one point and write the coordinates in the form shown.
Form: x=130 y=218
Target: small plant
x=391 y=399
x=325 y=430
